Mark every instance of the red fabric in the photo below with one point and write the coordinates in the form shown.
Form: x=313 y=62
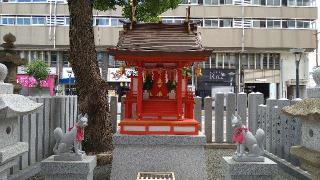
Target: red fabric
x=159 y=87
x=238 y=135
x=80 y=133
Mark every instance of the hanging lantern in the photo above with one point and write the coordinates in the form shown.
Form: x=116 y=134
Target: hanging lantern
x=197 y=71
x=122 y=69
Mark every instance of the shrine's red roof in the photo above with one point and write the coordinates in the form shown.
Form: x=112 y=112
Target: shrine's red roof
x=160 y=40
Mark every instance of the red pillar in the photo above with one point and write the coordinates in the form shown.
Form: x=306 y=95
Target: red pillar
x=179 y=93
x=139 y=93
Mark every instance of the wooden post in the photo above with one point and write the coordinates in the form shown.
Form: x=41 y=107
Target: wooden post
x=179 y=91
x=139 y=93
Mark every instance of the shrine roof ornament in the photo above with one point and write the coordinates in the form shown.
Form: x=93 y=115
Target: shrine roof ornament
x=152 y=39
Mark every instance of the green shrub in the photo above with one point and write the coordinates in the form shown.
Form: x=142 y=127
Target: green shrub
x=38 y=69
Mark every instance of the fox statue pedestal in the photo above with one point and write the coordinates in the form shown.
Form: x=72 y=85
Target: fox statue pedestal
x=249 y=170
x=68 y=170
x=248 y=165
x=69 y=161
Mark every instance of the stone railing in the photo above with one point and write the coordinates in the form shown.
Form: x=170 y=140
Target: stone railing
x=37 y=130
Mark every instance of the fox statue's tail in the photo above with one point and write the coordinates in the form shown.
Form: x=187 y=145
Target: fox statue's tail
x=260 y=136
x=58 y=134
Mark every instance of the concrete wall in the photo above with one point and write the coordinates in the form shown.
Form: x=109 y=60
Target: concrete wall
x=218 y=38
x=197 y=11
x=200 y=11
x=212 y=37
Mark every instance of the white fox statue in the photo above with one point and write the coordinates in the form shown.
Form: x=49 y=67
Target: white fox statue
x=245 y=139
x=70 y=142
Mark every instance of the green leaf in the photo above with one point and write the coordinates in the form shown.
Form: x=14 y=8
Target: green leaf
x=146 y=10
x=38 y=69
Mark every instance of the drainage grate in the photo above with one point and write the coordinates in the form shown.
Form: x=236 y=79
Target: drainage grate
x=156 y=175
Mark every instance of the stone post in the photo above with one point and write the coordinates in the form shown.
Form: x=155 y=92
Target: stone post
x=218 y=117
x=275 y=140
x=254 y=99
x=284 y=123
x=123 y=99
x=261 y=123
x=268 y=131
x=231 y=106
x=113 y=112
x=208 y=118
x=242 y=106
x=197 y=110
x=294 y=132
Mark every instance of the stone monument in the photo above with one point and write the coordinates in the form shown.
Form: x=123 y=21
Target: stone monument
x=11 y=107
x=308 y=111
x=248 y=165
x=184 y=155
x=69 y=161
x=9 y=58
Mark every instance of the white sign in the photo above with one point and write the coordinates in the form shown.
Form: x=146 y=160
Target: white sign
x=115 y=76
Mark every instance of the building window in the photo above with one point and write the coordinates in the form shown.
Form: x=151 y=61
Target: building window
x=211 y=23
x=8 y=20
x=38 y=20
x=273 y=23
x=273 y=2
x=111 y=61
x=23 y=21
x=67 y=21
x=213 y=60
x=232 y=61
x=116 y=22
x=189 y=2
x=65 y=57
x=301 y=2
x=225 y=23
x=54 y=58
x=259 y=23
x=251 y=63
x=219 y=60
x=284 y=2
x=102 y=21
x=211 y=2
x=226 y=2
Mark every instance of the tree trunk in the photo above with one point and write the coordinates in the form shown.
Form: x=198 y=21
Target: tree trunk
x=91 y=89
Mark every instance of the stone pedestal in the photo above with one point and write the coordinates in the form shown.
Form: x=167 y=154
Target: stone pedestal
x=183 y=155
x=68 y=170
x=249 y=170
x=309 y=159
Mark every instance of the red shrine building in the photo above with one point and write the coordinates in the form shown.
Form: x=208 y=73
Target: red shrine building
x=159 y=101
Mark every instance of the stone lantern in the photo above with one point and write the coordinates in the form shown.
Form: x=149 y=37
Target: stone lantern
x=9 y=58
x=11 y=107
x=308 y=110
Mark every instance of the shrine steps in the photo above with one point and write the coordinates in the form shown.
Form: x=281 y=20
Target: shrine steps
x=159 y=126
